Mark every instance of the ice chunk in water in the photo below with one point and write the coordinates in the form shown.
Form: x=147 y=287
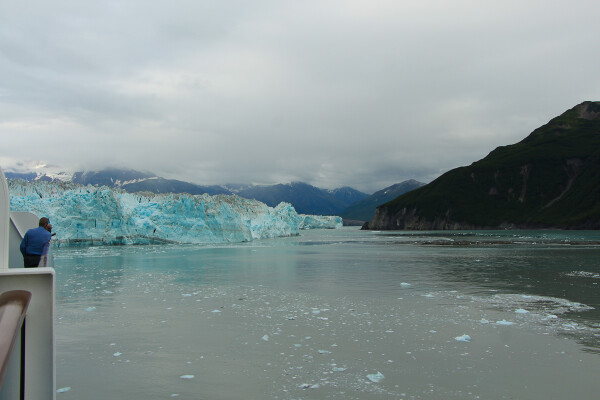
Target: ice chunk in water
x=463 y=338
x=265 y=338
x=521 y=311
x=503 y=322
x=62 y=390
x=187 y=376
x=309 y=386
x=378 y=377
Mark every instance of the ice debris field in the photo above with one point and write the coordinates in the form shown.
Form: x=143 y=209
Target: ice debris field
x=256 y=342
x=90 y=215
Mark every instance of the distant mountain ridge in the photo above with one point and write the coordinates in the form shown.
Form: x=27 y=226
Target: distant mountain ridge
x=364 y=210
x=550 y=179
x=305 y=198
x=112 y=177
x=30 y=171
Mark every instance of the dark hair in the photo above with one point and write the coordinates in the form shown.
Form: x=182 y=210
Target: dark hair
x=44 y=221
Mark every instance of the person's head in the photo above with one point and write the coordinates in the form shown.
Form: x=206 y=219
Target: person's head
x=44 y=222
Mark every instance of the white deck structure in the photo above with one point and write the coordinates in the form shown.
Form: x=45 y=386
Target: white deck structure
x=31 y=365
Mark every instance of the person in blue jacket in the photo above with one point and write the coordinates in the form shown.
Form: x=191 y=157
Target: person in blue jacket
x=36 y=243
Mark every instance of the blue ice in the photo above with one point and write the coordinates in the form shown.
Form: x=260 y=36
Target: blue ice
x=463 y=338
x=378 y=377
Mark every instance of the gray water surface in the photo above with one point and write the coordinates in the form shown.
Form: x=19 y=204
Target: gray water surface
x=345 y=314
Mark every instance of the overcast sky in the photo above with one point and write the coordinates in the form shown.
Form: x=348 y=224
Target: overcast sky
x=333 y=93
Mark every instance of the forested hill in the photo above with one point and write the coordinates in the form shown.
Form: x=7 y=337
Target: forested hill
x=550 y=179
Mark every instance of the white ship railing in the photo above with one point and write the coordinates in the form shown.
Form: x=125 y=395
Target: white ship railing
x=13 y=306
x=28 y=367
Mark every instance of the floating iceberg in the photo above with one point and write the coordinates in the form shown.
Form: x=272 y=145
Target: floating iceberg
x=101 y=215
x=463 y=338
x=376 y=378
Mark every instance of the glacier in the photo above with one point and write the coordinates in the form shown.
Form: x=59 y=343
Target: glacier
x=320 y=222
x=92 y=215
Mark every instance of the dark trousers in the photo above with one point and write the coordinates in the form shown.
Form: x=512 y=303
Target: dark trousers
x=31 y=260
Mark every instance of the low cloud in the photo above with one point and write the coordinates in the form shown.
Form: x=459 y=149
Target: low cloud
x=333 y=93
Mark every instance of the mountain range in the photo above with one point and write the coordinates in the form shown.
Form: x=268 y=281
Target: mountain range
x=305 y=198
x=135 y=181
x=364 y=210
x=550 y=179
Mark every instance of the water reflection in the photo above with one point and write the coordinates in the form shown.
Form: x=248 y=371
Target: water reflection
x=347 y=262
x=95 y=274
x=328 y=308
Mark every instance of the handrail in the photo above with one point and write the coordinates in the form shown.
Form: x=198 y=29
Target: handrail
x=13 y=306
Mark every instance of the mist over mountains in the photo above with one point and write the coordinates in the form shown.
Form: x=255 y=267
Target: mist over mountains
x=135 y=181
x=549 y=179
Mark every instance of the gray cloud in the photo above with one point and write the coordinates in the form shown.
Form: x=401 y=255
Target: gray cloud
x=359 y=93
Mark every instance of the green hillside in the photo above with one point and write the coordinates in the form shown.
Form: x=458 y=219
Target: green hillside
x=551 y=179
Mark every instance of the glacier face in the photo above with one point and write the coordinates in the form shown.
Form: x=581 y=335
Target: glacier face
x=102 y=215
x=320 y=222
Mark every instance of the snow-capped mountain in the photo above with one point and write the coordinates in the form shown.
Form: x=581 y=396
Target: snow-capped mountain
x=37 y=170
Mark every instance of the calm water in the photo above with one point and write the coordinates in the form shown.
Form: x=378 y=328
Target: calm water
x=335 y=314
